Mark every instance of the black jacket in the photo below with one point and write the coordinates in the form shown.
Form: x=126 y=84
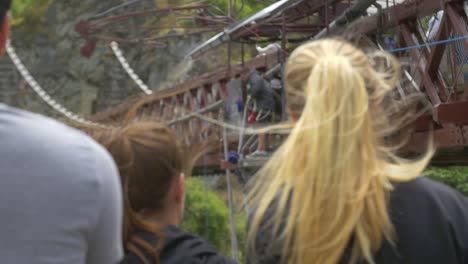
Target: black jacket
x=431 y=224
x=261 y=92
x=181 y=248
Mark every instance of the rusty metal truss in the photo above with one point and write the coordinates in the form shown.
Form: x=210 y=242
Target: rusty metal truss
x=434 y=67
x=191 y=20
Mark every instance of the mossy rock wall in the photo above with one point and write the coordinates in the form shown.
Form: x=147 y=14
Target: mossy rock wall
x=46 y=41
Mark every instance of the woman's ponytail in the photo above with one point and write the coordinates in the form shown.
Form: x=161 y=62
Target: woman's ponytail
x=329 y=177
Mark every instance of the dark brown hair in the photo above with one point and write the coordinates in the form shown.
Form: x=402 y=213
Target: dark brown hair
x=149 y=157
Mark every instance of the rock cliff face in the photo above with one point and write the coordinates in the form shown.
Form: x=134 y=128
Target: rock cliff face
x=50 y=49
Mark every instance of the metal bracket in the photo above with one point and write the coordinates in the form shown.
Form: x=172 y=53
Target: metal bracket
x=456 y=136
x=465 y=134
x=465 y=7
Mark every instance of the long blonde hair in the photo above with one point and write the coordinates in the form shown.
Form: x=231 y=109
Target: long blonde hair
x=328 y=183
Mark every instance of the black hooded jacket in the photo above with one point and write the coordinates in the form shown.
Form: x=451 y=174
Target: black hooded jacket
x=261 y=92
x=430 y=221
x=180 y=248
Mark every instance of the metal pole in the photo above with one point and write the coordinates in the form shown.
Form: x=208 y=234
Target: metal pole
x=327 y=22
x=234 y=246
x=230 y=9
x=347 y=17
x=229 y=50
x=244 y=117
x=243 y=54
x=230 y=14
x=283 y=32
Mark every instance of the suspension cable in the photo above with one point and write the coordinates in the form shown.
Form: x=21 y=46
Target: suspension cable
x=41 y=92
x=112 y=9
x=119 y=55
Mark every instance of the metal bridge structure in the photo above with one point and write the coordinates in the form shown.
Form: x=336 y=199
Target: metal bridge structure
x=435 y=57
x=110 y=27
x=436 y=65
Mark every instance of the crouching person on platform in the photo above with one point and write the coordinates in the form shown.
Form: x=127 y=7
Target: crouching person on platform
x=264 y=110
x=152 y=166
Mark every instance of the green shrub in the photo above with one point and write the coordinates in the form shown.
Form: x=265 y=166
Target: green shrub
x=207 y=216
x=31 y=10
x=455 y=177
x=241 y=229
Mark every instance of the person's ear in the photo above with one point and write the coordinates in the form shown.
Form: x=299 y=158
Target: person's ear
x=375 y=105
x=4 y=33
x=293 y=115
x=179 y=191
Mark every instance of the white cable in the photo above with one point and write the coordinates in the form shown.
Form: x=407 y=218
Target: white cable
x=41 y=92
x=119 y=54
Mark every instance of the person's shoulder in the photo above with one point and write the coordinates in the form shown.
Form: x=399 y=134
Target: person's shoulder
x=422 y=209
x=192 y=249
x=426 y=186
x=49 y=140
x=14 y=116
x=430 y=194
x=34 y=126
x=193 y=245
x=19 y=115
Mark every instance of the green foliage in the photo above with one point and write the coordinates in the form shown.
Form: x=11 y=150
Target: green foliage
x=241 y=230
x=455 y=177
x=241 y=8
x=207 y=216
x=33 y=10
x=20 y=5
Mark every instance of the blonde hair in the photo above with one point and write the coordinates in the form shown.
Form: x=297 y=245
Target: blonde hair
x=328 y=183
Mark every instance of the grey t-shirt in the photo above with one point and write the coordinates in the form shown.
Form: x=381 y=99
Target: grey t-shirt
x=60 y=196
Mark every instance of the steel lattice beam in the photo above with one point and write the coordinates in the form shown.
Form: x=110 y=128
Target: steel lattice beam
x=450 y=109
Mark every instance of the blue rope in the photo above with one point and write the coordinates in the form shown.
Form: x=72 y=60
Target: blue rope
x=428 y=44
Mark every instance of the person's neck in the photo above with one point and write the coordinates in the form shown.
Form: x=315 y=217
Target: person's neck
x=167 y=217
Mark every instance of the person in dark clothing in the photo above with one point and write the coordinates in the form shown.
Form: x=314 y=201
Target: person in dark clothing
x=278 y=94
x=260 y=92
x=179 y=247
x=335 y=191
x=430 y=222
x=152 y=168
x=258 y=89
